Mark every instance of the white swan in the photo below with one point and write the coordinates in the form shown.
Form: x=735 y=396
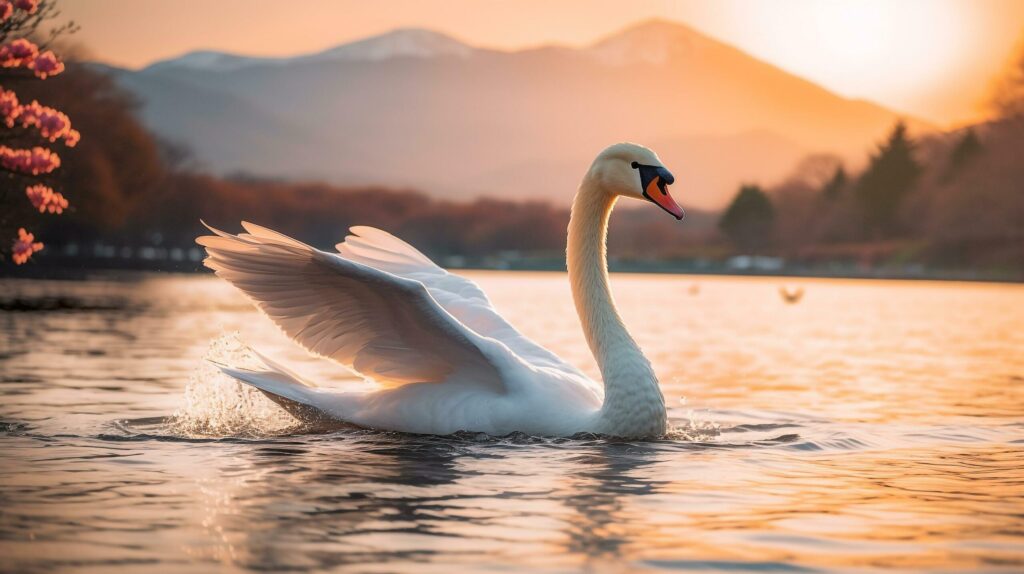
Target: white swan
x=445 y=360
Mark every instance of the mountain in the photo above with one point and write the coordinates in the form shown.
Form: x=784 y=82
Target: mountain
x=418 y=108
x=208 y=60
x=403 y=42
x=653 y=42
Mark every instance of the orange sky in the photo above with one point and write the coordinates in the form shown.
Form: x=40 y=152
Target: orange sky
x=932 y=58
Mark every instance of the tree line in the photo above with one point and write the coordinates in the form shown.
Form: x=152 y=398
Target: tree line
x=949 y=200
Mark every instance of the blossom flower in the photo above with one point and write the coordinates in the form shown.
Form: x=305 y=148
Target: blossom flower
x=24 y=247
x=18 y=53
x=6 y=9
x=45 y=199
x=46 y=64
x=34 y=161
x=52 y=124
x=10 y=109
x=29 y=6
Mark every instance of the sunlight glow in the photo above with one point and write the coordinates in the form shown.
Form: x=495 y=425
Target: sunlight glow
x=890 y=48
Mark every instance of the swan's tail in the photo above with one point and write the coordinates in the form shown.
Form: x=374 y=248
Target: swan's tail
x=285 y=388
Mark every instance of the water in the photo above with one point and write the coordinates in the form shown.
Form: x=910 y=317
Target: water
x=873 y=426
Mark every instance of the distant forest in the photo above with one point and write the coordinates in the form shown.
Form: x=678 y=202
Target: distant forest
x=954 y=200
x=947 y=201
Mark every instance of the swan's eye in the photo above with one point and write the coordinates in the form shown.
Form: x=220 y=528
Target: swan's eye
x=634 y=165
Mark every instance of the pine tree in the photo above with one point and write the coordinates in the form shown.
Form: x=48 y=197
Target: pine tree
x=890 y=176
x=964 y=151
x=833 y=188
x=749 y=218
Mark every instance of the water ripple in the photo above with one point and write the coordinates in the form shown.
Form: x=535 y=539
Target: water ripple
x=875 y=427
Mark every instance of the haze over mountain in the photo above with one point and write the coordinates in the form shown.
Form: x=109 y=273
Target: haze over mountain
x=418 y=108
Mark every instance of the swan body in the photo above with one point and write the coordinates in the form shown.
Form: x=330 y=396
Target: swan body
x=444 y=359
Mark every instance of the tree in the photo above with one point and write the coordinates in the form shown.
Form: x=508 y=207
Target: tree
x=749 y=218
x=964 y=151
x=889 y=177
x=833 y=188
x=26 y=166
x=114 y=172
x=815 y=170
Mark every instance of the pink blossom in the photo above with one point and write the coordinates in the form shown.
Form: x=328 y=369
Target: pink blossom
x=29 y=6
x=22 y=52
x=34 y=161
x=6 y=9
x=18 y=53
x=46 y=64
x=52 y=124
x=45 y=199
x=24 y=247
x=10 y=109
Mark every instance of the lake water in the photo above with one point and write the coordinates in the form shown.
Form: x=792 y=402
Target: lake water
x=872 y=427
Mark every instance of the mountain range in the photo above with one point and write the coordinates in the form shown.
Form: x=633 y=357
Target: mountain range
x=416 y=108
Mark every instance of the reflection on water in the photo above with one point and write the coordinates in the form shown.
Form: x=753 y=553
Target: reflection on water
x=873 y=427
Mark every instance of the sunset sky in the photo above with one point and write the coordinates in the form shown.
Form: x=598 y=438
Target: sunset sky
x=931 y=58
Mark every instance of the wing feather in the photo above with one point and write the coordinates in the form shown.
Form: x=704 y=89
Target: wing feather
x=458 y=295
x=387 y=327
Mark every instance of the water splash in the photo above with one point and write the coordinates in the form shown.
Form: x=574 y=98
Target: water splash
x=697 y=427
x=217 y=405
x=693 y=427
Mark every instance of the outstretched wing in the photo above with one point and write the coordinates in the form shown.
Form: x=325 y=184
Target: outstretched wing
x=458 y=295
x=387 y=327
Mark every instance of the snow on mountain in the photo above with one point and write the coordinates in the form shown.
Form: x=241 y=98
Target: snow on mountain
x=208 y=60
x=404 y=42
x=651 y=42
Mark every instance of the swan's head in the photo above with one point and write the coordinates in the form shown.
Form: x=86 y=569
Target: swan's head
x=631 y=170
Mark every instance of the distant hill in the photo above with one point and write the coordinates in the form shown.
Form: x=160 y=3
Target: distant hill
x=405 y=42
x=418 y=108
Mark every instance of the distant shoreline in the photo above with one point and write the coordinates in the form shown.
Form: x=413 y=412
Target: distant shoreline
x=65 y=268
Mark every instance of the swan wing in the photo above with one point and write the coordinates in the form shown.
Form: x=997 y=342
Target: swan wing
x=460 y=296
x=386 y=327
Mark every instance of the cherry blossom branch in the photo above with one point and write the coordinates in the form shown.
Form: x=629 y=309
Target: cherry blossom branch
x=22 y=58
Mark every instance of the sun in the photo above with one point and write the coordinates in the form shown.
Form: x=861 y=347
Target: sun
x=915 y=47
x=895 y=51
x=858 y=32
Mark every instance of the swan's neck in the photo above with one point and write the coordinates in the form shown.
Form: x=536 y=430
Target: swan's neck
x=633 y=403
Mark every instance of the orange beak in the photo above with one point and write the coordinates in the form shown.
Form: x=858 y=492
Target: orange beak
x=657 y=191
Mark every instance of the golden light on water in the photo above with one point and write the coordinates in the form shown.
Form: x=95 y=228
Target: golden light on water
x=868 y=427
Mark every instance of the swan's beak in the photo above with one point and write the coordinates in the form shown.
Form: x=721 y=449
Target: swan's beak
x=655 y=180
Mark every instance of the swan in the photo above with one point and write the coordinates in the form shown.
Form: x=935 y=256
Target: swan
x=443 y=359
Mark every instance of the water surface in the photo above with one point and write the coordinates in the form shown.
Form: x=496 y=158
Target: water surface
x=872 y=427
